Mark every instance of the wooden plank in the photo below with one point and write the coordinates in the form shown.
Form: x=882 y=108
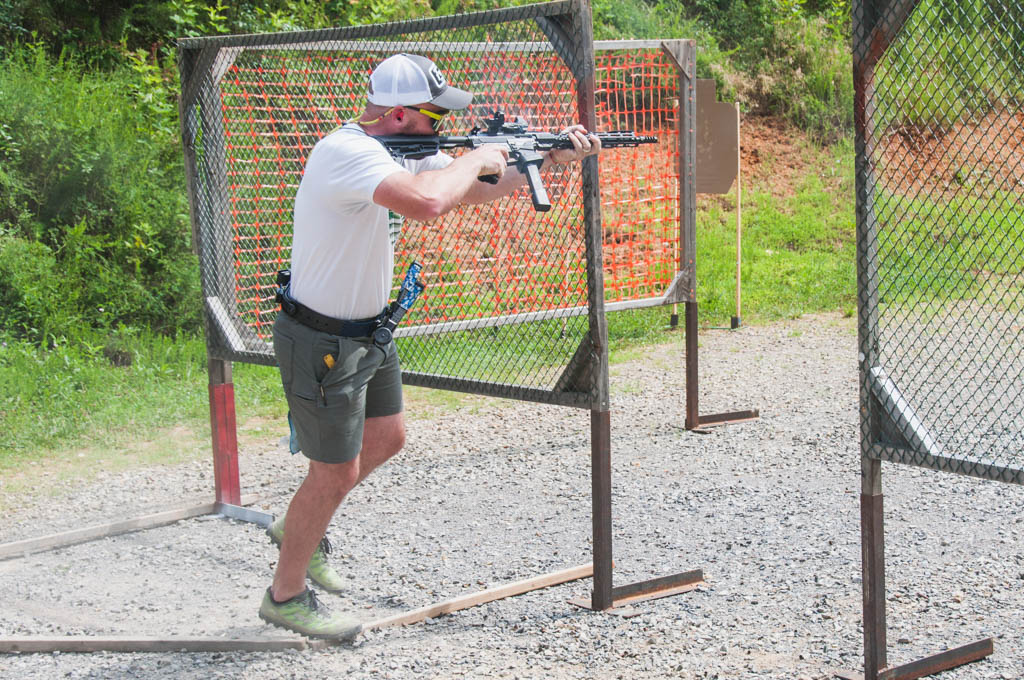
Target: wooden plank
x=482 y=597
x=67 y=538
x=88 y=643
x=732 y=417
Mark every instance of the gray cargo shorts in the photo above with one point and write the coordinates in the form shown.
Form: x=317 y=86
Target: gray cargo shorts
x=328 y=405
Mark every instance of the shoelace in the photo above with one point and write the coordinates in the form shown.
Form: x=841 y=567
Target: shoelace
x=314 y=602
x=325 y=545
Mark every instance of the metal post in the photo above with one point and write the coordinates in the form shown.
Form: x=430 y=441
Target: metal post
x=683 y=55
x=692 y=405
x=601 y=495
x=873 y=568
x=600 y=413
x=735 y=321
x=223 y=432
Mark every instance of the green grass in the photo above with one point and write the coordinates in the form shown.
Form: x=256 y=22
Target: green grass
x=72 y=394
x=950 y=250
x=798 y=254
x=68 y=411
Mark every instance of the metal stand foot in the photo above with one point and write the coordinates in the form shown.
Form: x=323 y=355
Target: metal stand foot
x=930 y=665
x=666 y=586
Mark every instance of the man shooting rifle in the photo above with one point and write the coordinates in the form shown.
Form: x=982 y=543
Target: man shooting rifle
x=344 y=389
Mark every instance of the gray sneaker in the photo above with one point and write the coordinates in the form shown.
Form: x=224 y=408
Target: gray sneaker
x=306 y=615
x=319 y=570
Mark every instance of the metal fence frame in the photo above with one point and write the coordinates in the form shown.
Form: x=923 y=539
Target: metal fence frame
x=584 y=382
x=236 y=342
x=893 y=424
x=232 y=340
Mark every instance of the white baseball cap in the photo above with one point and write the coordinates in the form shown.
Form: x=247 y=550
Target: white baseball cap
x=407 y=79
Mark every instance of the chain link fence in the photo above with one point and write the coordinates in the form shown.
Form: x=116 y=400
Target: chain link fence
x=940 y=233
x=254 y=106
x=509 y=300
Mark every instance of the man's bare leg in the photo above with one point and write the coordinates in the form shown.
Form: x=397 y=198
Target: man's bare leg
x=386 y=439
x=319 y=496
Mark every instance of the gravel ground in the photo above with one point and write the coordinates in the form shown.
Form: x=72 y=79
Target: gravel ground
x=498 y=491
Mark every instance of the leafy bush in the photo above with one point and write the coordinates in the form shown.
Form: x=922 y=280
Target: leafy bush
x=745 y=28
x=30 y=295
x=91 y=174
x=808 y=78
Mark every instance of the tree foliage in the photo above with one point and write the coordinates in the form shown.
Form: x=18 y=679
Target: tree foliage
x=93 y=196
x=94 y=229
x=98 y=32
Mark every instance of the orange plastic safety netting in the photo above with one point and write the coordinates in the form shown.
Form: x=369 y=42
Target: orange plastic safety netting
x=481 y=262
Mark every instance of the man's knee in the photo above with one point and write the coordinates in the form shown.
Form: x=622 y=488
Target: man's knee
x=334 y=478
x=384 y=435
x=392 y=439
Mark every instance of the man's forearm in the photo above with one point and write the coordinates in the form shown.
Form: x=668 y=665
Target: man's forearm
x=482 y=192
x=430 y=194
x=513 y=179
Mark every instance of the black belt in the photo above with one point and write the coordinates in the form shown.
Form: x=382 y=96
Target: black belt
x=357 y=328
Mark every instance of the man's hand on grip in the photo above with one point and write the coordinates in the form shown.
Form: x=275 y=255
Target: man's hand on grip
x=492 y=158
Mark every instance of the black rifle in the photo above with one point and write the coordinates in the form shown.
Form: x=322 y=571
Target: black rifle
x=524 y=148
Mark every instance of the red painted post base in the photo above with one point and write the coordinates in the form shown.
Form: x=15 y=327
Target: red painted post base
x=225 y=444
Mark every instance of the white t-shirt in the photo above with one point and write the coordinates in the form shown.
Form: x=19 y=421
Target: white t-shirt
x=343 y=254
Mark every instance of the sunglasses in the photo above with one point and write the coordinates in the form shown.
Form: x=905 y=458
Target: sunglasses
x=436 y=119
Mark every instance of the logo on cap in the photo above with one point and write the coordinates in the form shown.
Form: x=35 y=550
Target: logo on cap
x=436 y=76
x=407 y=79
